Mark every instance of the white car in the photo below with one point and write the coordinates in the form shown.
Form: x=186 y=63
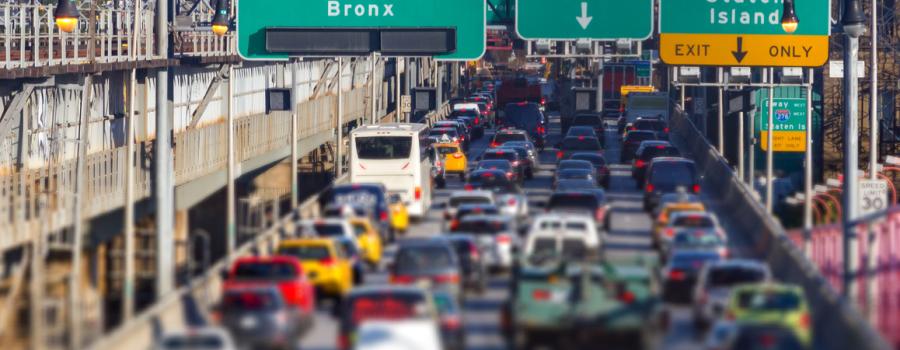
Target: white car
x=458 y=198
x=514 y=204
x=497 y=235
x=421 y=334
x=713 y=289
x=562 y=243
x=199 y=338
x=467 y=107
x=330 y=227
x=571 y=225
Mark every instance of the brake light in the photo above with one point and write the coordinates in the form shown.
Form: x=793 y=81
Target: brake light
x=454 y=225
x=600 y=214
x=383 y=216
x=666 y=130
x=494 y=144
x=522 y=103
x=632 y=128
x=509 y=176
x=451 y=322
x=670 y=232
x=418 y=193
x=468 y=187
x=477 y=121
x=511 y=201
x=627 y=297
x=503 y=239
x=650 y=188
x=559 y=155
x=473 y=252
x=540 y=130
x=540 y=294
x=580 y=138
x=640 y=163
x=723 y=253
x=660 y=147
x=696 y=188
x=327 y=261
x=515 y=163
x=543 y=101
x=676 y=275
x=457 y=155
x=805 y=321
x=448 y=278
x=397 y=279
x=343 y=342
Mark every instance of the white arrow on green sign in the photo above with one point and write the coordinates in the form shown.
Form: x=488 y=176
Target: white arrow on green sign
x=468 y=17
x=584 y=19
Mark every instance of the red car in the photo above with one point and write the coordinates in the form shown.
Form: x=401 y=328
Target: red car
x=284 y=272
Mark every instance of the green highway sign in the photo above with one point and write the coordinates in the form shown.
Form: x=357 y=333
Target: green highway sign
x=256 y=19
x=788 y=127
x=584 y=19
x=743 y=33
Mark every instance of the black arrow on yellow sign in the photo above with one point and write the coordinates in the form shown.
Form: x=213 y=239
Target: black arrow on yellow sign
x=740 y=53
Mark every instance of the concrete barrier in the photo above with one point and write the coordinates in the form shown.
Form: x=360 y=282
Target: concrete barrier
x=836 y=323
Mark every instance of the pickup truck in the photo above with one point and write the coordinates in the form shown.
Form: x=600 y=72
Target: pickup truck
x=568 y=304
x=283 y=272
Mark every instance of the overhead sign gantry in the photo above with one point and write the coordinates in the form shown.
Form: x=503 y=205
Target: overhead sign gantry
x=743 y=33
x=279 y=29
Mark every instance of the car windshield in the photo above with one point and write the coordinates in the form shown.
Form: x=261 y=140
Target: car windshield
x=544 y=246
x=580 y=143
x=595 y=159
x=485 y=210
x=693 y=260
x=482 y=226
x=357 y=196
x=383 y=147
x=387 y=306
x=251 y=300
x=730 y=276
x=575 y=184
x=445 y=150
x=268 y=270
x=768 y=300
x=463 y=113
x=581 y=131
x=659 y=151
x=693 y=221
x=649 y=125
x=525 y=116
x=571 y=174
x=494 y=164
x=493 y=182
x=574 y=248
x=328 y=230
x=306 y=252
x=457 y=201
x=520 y=150
x=503 y=137
x=451 y=133
x=423 y=258
x=667 y=176
x=574 y=164
x=573 y=201
x=518 y=144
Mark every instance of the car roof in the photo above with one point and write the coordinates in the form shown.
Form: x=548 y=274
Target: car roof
x=556 y=216
x=651 y=143
x=584 y=192
x=587 y=154
x=510 y=131
x=671 y=160
x=693 y=213
x=498 y=173
x=476 y=205
x=575 y=171
x=574 y=161
x=739 y=263
x=420 y=242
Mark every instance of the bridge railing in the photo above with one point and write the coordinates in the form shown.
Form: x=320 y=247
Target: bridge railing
x=836 y=323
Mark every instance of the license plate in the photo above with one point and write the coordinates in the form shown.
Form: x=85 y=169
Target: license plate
x=558 y=296
x=248 y=322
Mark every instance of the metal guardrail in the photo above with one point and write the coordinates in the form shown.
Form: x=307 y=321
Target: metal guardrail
x=836 y=323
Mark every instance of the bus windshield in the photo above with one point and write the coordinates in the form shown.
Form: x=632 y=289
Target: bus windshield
x=383 y=147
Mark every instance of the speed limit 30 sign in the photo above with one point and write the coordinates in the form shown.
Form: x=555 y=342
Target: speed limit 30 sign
x=873 y=196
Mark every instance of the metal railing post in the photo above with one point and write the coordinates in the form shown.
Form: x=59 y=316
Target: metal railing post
x=295 y=95
x=770 y=153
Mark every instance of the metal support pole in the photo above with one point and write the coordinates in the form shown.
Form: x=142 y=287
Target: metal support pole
x=78 y=229
x=873 y=94
x=851 y=164
x=397 y=89
x=439 y=83
x=409 y=81
x=165 y=194
x=808 y=168
x=128 y=256
x=36 y=295
x=721 y=113
x=338 y=129
x=770 y=153
x=751 y=151
x=231 y=212
x=295 y=95
x=681 y=91
x=600 y=86
x=373 y=98
x=740 y=147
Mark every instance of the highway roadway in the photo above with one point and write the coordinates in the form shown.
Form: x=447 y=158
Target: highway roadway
x=629 y=236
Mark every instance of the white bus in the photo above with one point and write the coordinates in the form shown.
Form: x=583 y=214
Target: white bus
x=396 y=156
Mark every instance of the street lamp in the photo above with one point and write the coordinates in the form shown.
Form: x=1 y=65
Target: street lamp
x=789 y=20
x=66 y=15
x=220 y=20
x=853 y=22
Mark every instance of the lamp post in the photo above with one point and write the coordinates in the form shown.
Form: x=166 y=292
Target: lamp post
x=220 y=20
x=853 y=23
x=66 y=15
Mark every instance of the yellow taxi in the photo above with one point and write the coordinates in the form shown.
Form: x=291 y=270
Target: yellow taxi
x=774 y=304
x=666 y=213
x=399 y=214
x=368 y=239
x=324 y=263
x=455 y=161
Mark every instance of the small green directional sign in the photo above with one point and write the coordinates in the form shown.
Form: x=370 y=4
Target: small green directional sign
x=467 y=17
x=584 y=19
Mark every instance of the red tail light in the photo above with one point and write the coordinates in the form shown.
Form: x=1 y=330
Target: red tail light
x=457 y=155
x=469 y=187
x=397 y=279
x=509 y=176
x=632 y=128
x=448 y=278
x=650 y=188
x=540 y=294
x=696 y=188
x=503 y=239
x=327 y=261
x=559 y=155
x=600 y=214
x=454 y=225
x=418 y=193
x=676 y=275
x=477 y=121
x=627 y=297
x=543 y=101
x=494 y=144
x=473 y=252
x=640 y=163
x=669 y=232
x=451 y=322
x=383 y=216
x=666 y=130
x=511 y=201
x=580 y=138
x=805 y=321
x=540 y=130
x=343 y=342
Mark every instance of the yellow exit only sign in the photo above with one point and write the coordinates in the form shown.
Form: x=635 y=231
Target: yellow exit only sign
x=784 y=141
x=744 y=50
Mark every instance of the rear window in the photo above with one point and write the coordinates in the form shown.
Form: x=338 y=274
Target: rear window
x=697 y=239
x=250 y=300
x=502 y=138
x=583 y=131
x=649 y=125
x=768 y=300
x=393 y=306
x=668 y=175
x=636 y=136
x=491 y=164
x=580 y=144
x=693 y=260
x=544 y=246
x=444 y=150
x=329 y=230
x=525 y=116
x=569 y=225
x=440 y=132
x=357 y=195
x=486 y=211
x=194 y=342
x=485 y=226
x=306 y=253
x=730 y=276
x=573 y=174
x=574 y=248
x=596 y=160
x=573 y=201
x=383 y=147
x=693 y=221
x=265 y=270
x=507 y=155
x=575 y=165
x=457 y=201
x=417 y=259
x=490 y=182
